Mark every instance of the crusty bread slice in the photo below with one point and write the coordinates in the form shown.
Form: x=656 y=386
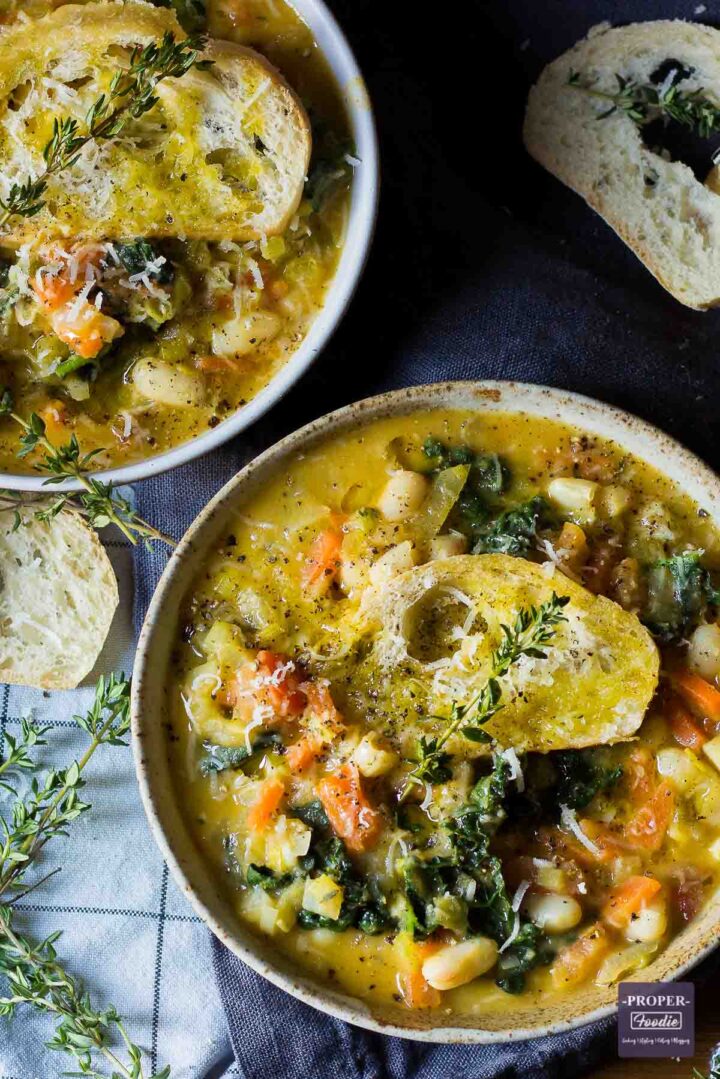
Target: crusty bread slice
x=58 y=595
x=668 y=217
x=223 y=155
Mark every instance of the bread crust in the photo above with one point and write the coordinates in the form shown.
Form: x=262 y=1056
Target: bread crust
x=658 y=208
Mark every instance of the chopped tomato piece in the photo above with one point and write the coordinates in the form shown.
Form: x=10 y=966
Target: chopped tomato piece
x=639 y=774
x=698 y=694
x=685 y=730
x=688 y=895
x=348 y=810
x=323 y=560
x=580 y=960
x=301 y=754
x=628 y=899
x=269 y=797
x=280 y=683
x=648 y=827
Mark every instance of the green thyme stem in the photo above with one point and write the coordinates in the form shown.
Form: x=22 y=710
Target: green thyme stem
x=643 y=103
x=64 y=993
x=99 y=501
x=131 y=94
x=533 y=628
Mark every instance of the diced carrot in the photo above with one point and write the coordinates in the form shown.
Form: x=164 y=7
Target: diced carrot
x=579 y=960
x=269 y=797
x=608 y=844
x=348 y=810
x=416 y=992
x=685 y=730
x=698 y=694
x=280 y=683
x=55 y=418
x=322 y=706
x=648 y=827
x=323 y=560
x=53 y=291
x=628 y=898
x=84 y=328
x=301 y=754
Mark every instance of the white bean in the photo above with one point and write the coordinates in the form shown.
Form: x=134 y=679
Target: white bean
x=402 y=495
x=553 y=913
x=704 y=651
x=373 y=757
x=168 y=384
x=244 y=334
x=447 y=546
x=457 y=964
x=649 y=924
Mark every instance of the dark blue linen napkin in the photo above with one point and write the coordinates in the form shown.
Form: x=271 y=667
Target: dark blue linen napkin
x=483 y=267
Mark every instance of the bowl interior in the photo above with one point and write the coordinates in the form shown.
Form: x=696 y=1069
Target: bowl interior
x=360 y=227
x=522 y=1017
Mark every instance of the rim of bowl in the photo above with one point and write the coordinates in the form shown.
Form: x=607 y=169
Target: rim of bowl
x=539 y=400
x=334 y=46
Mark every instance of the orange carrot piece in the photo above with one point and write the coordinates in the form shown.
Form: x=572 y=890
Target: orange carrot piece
x=698 y=694
x=685 y=730
x=322 y=706
x=648 y=827
x=53 y=291
x=301 y=754
x=579 y=960
x=639 y=774
x=269 y=797
x=628 y=899
x=416 y=992
x=348 y=810
x=323 y=561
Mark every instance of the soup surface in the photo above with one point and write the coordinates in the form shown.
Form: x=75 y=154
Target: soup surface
x=138 y=345
x=445 y=715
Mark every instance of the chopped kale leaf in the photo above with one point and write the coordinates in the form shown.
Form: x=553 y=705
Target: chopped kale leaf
x=141 y=257
x=515 y=530
x=679 y=591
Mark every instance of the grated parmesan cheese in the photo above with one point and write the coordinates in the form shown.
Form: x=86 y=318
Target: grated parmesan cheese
x=568 y=819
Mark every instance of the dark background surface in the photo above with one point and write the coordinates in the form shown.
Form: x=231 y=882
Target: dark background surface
x=484 y=266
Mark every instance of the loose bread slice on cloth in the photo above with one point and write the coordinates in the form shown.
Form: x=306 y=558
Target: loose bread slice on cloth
x=58 y=595
x=223 y=155
x=668 y=217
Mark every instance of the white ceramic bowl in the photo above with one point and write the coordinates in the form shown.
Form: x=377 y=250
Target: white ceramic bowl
x=361 y=225
x=518 y=1020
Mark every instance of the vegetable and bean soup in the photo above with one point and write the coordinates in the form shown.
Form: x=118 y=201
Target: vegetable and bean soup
x=445 y=712
x=137 y=345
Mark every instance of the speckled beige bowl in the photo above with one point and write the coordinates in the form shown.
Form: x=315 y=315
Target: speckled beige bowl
x=521 y=1017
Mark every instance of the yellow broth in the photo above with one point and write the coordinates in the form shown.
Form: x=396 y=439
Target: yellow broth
x=259 y=596
x=200 y=341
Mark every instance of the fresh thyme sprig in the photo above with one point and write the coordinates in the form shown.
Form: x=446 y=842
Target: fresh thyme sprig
x=17 y=750
x=53 y=801
x=32 y=970
x=98 y=501
x=644 y=103
x=533 y=628
x=131 y=94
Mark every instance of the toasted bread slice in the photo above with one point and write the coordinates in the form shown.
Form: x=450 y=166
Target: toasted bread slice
x=440 y=623
x=58 y=595
x=223 y=155
x=668 y=217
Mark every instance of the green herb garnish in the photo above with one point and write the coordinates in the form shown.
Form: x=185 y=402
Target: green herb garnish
x=34 y=974
x=644 y=103
x=533 y=628
x=99 y=502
